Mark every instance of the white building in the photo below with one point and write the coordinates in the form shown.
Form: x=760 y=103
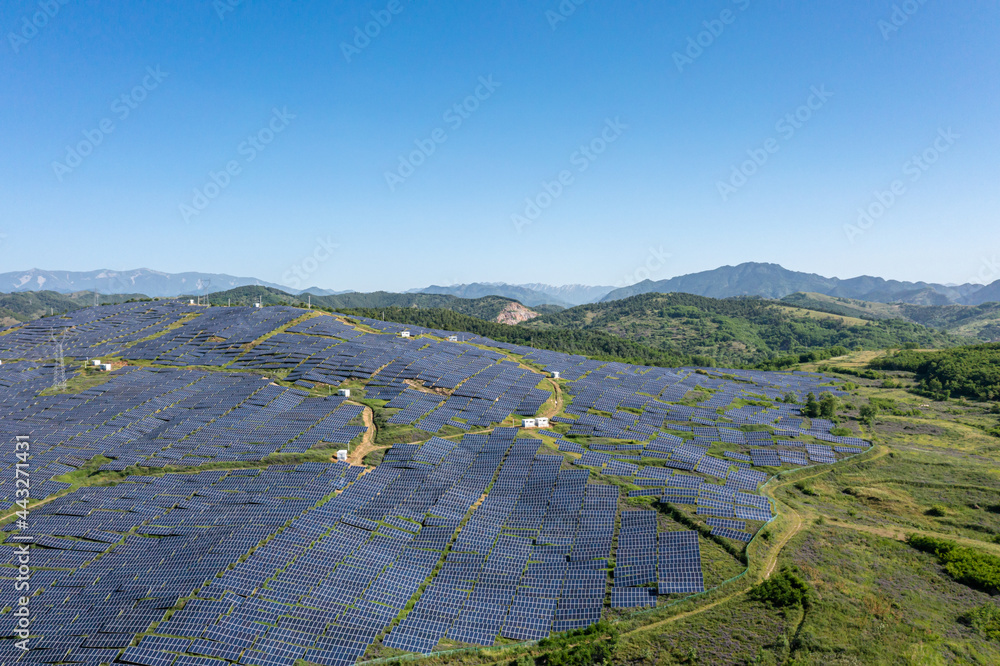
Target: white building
x=404 y=334
x=96 y=362
x=106 y=367
x=452 y=338
x=542 y=421
x=344 y=393
x=529 y=423
x=342 y=455
x=555 y=374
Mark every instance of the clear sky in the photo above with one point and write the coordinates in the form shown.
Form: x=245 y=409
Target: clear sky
x=250 y=137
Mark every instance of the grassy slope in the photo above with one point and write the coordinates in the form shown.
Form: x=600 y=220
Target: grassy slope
x=736 y=331
x=981 y=321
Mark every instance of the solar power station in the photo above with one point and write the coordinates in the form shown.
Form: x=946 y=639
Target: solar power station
x=488 y=534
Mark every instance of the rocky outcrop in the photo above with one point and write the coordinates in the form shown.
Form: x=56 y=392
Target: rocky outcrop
x=515 y=313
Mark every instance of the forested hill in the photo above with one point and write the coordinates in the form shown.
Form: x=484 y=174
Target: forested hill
x=979 y=321
x=737 y=331
x=488 y=307
x=28 y=305
x=596 y=344
x=972 y=372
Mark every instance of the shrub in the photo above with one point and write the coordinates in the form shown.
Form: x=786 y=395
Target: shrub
x=784 y=590
x=804 y=489
x=582 y=647
x=938 y=511
x=970 y=567
x=985 y=619
x=868 y=414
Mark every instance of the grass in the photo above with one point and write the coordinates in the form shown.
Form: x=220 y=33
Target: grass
x=86 y=377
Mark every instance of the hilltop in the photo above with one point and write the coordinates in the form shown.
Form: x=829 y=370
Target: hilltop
x=488 y=308
x=26 y=306
x=978 y=321
x=738 y=331
x=774 y=281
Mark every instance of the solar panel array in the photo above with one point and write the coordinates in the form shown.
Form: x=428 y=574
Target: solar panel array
x=317 y=561
x=91 y=332
x=160 y=417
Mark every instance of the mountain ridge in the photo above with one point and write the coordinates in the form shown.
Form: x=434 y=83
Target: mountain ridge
x=765 y=280
x=775 y=282
x=152 y=283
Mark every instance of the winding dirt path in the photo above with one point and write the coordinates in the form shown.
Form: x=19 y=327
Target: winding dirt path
x=558 y=404
x=367 y=445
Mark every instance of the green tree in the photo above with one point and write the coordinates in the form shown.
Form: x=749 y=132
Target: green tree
x=828 y=406
x=812 y=407
x=783 y=590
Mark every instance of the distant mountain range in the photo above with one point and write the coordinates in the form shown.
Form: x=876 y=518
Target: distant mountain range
x=154 y=284
x=528 y=294
x=750 y=279
x=773 y=281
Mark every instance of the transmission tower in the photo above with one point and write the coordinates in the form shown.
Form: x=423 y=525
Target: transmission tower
x=59 y=380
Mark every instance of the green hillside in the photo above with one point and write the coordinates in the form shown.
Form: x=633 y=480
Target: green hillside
x=596 y=344
x=488 y=307
x=976 y=321
x=28 y=305
x=972 y=372
x=737 y=331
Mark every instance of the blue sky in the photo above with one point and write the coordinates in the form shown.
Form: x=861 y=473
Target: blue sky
x=252 y=137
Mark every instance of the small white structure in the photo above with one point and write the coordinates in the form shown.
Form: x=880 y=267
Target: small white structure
x=96 y=362
x=344 y=393
x=106 y=367
x=452 y=338
x=258 y=304
x=529 y=423
x=404 y=334
x=555 y=374
x=191 y=302
x=542 y=422
x=342 y=455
